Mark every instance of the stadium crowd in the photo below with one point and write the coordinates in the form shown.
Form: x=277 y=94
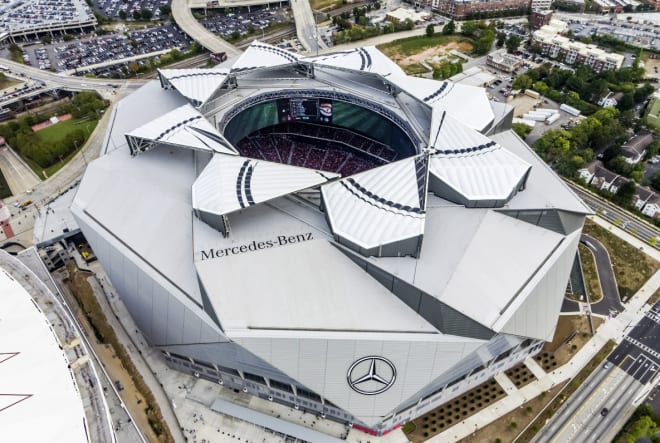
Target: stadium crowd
x=325 y=148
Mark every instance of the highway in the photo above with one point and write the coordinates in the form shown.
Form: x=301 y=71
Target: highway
x=632 y=224
x=184 y=18
x=599 y=407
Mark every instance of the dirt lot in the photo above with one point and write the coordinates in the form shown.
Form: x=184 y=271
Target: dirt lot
x=571 y=334
x=522 y=103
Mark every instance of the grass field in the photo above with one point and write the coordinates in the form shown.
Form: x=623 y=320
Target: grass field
x=631 y=267
x=406 y=47
x=56 y=133
x=4 y=187
x=60 y=130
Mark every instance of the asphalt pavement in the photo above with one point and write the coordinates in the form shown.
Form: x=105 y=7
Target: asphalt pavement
x=611 y=301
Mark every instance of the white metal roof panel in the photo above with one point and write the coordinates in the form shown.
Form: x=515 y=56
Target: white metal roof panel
x=468 y=104
x=472 y=164
x=368 y=59
x=308 y=285
x=185 y=127
x=263 y=55
x=197 y=85
x=39 y=400
x=496 y=265
x=379 y=206
x=230 y=183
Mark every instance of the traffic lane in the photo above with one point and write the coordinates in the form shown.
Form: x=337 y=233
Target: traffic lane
x=611 y=300
x=606 y=417
x=564 y=416
x=614 y=214
x=19 y=177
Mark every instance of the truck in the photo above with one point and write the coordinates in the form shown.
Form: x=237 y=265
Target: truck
x=532 y=93
x=553 y=118
x=570 y=109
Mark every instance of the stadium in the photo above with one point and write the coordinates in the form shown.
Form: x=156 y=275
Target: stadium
x=329 y=233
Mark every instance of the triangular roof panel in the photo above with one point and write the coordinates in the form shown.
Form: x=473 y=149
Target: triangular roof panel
x=367 y=59
x=471 y=164
x=197 y=85
x=263 y=55
x=231 y=183
x=184 y=127
x=466 y=103
x=379 y=206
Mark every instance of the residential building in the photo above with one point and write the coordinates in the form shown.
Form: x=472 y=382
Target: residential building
x=540 y=17
x=634 y=149
x=503 y=61
x=573 y=52
x=471 y=9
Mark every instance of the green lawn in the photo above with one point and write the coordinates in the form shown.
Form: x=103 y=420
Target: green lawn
x=631 y=267
x=4 y=187
x=414 y=45
x=60 y=130
x=325 y=4
x=8 y=83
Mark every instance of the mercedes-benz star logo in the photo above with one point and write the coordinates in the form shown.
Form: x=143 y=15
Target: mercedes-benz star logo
x=371 y=375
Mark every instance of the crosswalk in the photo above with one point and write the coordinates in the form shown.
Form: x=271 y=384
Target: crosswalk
x=643 y=347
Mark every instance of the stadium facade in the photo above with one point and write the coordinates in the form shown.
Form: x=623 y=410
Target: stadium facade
x=329 y=233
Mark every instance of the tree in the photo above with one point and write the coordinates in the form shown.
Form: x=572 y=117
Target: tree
x=165 y=10
x=513 y=42
x=430 y=30
x=624 y=195
x=522 y=82
x=46 y=40
x=122 y=14
x=136 y=14
x=449 y=28
x=522 y=130
x=655 y=181
x=501 y=38
x=468 y=29
x=146 y=14
x=626 y=102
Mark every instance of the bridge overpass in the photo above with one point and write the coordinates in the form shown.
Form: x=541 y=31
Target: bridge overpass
x=184 y=18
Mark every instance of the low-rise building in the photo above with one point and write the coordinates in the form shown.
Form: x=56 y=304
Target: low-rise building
x=573 y=52
x=503 y=61
x=571 y=5
x=539 y=17
x=642 y=197
x=469 y=9
x=652 y=207
x=634 y=149
x=610 y=100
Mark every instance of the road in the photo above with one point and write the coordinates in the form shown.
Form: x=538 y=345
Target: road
x=184 y=18
x=601 y=405
x=306 y=28
x=633 y=225
x=611 y=301
x=20 y=177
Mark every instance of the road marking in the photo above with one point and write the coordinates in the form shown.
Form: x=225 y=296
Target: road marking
x=588 y=399
x=642 y=346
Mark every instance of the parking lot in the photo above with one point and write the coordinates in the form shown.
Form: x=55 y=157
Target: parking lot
x=243 y=21
x=112 y=8
x=62 y=56
x=19 y=15
x=642 y=35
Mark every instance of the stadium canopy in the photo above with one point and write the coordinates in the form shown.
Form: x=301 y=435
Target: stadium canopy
x=465 y=103
x=183 y=127
x=367 y=59
x=197 y=85
x=261 y=55
x=232 y=183
x=381 y=211
x=470 y=169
